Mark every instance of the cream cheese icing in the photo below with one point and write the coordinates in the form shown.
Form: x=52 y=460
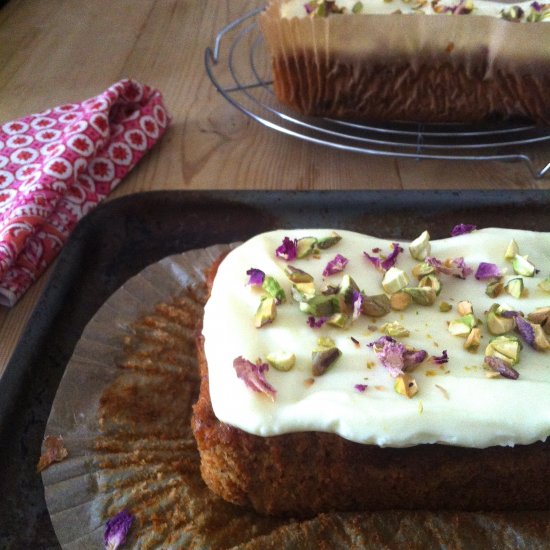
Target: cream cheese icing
x=540 y=12
x=456 y=403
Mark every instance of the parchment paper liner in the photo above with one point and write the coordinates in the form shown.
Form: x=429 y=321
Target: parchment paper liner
x=429 y=68
x=123 y=408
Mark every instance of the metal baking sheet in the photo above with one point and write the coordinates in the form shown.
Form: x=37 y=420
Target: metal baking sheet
x=121 y=237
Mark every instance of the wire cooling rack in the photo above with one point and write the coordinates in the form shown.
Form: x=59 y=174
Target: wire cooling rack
x=239 y=66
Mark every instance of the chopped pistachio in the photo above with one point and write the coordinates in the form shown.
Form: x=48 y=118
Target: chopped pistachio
x=327 y=242
x=323 y=359
x=444 y=307
x=423 y=269
x=340 y=320
x=357 y=7
x=463 y=326
x=506 y=348
x=266 y=313
x=281 y=360
x=394 y=280
x=376 y=306
x=514 y=287
x=297 y=275
x=494 y=289
x=320 y=306
x=496 y=324
x=473 y=340
x=400 y=301
x=513 y=13
x=430 y=281
x=545 y=285
x=541 y=342
x=420 y=247
x=395 y=330
x=541 y=316
x=522 y=266
x=512 y=251
x=274 y=289
x=347 y=288
x=464 y=307
x=423 y=296
x=406 y=385
x=302 y=292
x=305 y=246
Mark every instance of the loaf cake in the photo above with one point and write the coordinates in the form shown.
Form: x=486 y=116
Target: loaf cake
x=437 y=61
x=345 y=372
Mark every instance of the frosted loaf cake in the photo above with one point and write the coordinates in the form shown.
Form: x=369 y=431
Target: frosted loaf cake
x=359 y=376
x=417 y=60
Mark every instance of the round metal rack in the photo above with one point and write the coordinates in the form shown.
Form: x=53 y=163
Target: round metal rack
x=239 y=66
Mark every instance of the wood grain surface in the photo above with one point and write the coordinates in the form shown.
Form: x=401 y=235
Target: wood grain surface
x=58 y=51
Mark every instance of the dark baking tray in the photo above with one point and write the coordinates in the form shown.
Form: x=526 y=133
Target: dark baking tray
x=120 y=238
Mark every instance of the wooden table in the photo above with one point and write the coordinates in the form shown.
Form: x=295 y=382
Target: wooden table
x=59 y=51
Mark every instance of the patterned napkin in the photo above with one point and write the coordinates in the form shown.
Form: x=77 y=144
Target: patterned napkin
x=56 y=166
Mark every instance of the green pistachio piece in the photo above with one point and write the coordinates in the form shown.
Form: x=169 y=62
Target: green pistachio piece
x=420 y=247
x=430 y=281
x=347 y=287
x=499 y=325
x=406 y=385
x=325 y=342
x=512 y=251
x=266 y=312
x=394 y=280
x=422 y=296
x=376 y=306
x=340 y=320
x=305 y=246
x=464 y=307
x=273 y=288
x=545 y=285
x=494 y=289
x=321 y=360
x=400 y=301
x=514 y=287
x=541 y=342
x=513 y=13
x=463 y=326
x=327 y=242
x=321 y=306
x=541 y=316
x=302 y=292
x=522 y=266
x=395 y=330
x=281 y=360
x=357 y=7
x=473 y=340
x=506 y=348
x=297 y=275
x=421 y=270
x=444 y=307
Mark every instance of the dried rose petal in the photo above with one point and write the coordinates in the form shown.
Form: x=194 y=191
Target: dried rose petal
x=498 y=365
x=487 y=271
x=455 y=266
x=536 y=6
x=526 y=330
x=316 y=323
x=54 y=451
x=288 y=249
x=256 y=276
x=441 y=359
x=336 y=265
x=413 y=358
x=384 y=263
x=390 y=353
x=361 y=387
x=357 y=300
x=253 y=376
x=309 y=9
x=462 y=228
x=508 y=314
x=116 y=530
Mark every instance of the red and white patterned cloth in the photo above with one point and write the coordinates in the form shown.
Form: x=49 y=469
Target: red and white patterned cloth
x=56 y=166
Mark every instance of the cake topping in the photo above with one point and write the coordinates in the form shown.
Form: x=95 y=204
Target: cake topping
x=256 y=277
x=487 y=271
x=462 y=229
x=116 y=530
x=281 y=360
x=288 y=249
x=420 y=247
x=522 y=266
x=252 y=374
x=452 y=266
x=500 y=366
x=336 y=265
x=383 y=263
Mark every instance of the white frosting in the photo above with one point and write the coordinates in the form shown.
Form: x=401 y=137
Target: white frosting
x=295 y=8
x=468 y=409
